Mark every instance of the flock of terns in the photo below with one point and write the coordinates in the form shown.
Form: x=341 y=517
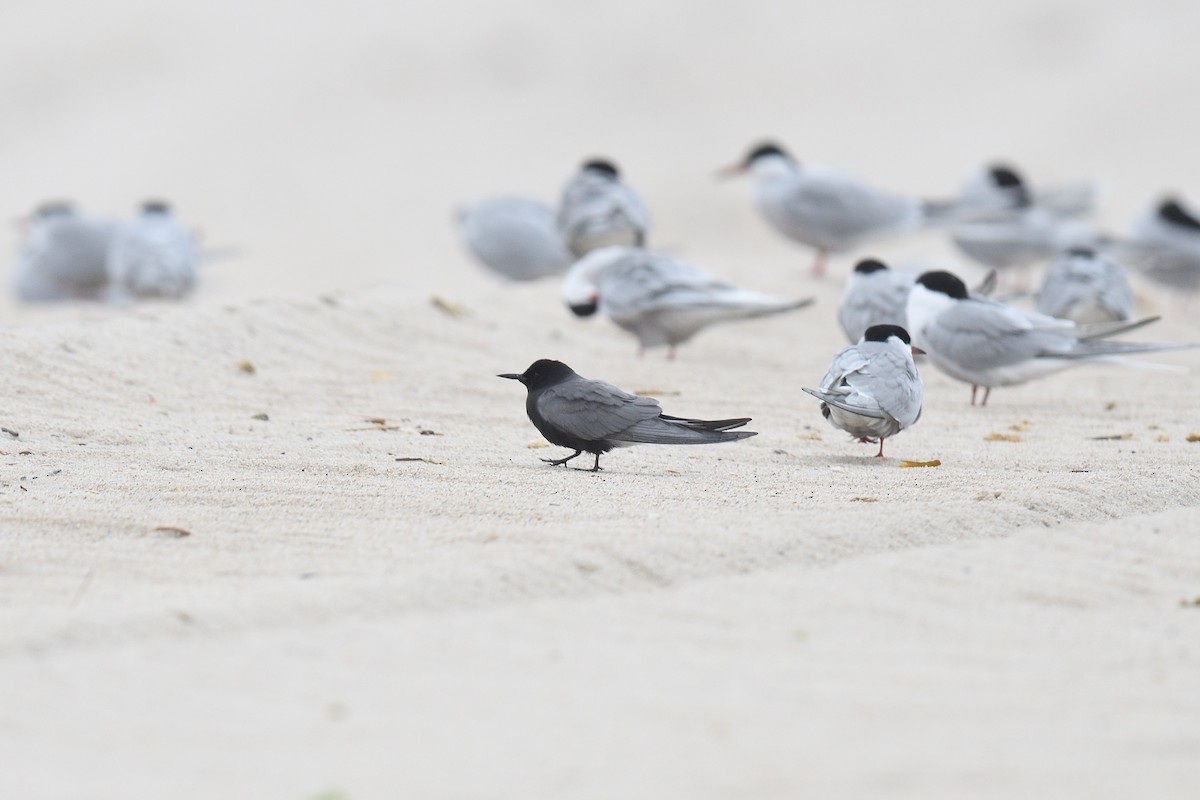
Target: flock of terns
x=68 y=254
x=596 y=239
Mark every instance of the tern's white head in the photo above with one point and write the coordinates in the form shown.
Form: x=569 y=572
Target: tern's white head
x=580 y=287
x=932 y=294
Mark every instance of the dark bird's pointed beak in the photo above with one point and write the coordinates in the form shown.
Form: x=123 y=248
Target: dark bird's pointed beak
x=916 y=351
x=512 y=377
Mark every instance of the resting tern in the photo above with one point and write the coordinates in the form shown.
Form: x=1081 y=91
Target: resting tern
x=63 y=255
x=516 y=237
x=985 y=343
x=828 y=209
x=659 y=300
x=878 y=295
x=1084 y=287
x=872 y=388
x=1027 y=227
x=598 y=210
x=154 y=255
x=1166 y=244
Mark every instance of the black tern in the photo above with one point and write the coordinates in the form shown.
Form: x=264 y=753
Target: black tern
x=585 y=415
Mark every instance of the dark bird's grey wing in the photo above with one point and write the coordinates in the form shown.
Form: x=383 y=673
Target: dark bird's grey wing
x=673 y=430
x=594 y=410
x=598 y=411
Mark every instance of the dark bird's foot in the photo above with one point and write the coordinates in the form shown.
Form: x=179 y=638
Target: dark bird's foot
x=596 y=467
x=557 y=462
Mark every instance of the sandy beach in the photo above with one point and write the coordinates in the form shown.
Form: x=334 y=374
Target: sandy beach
x=291 y=538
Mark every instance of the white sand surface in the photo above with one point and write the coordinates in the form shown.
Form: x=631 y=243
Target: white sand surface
x=782 y=617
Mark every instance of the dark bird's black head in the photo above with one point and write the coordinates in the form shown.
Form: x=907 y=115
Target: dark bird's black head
x=541 y=373
x=869 y=265
x=1171 y=210
x=602 y=167
x=881 y=333
x=1006 y=178
x=945 y=282
x=156 y=207
x=584 y=309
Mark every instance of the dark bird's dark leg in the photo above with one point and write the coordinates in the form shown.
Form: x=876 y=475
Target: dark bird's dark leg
x=987 y=392
x=974 y=389
x=880 y=453
x=554 y=462
x=596 y=467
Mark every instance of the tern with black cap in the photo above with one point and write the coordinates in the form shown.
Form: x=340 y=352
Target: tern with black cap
x=598 y=210
x=871 y=389
x=659 y=300
x=989 y=344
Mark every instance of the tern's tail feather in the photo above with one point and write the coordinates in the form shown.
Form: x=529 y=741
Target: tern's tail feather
x=1092 y=349
x=676 y=430
x=1137 y=363
x=953 y=212
x=744 y=303
x=1102 y=330
x=840 y=402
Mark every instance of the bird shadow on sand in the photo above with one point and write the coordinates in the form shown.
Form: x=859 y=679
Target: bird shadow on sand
x=867 y=459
